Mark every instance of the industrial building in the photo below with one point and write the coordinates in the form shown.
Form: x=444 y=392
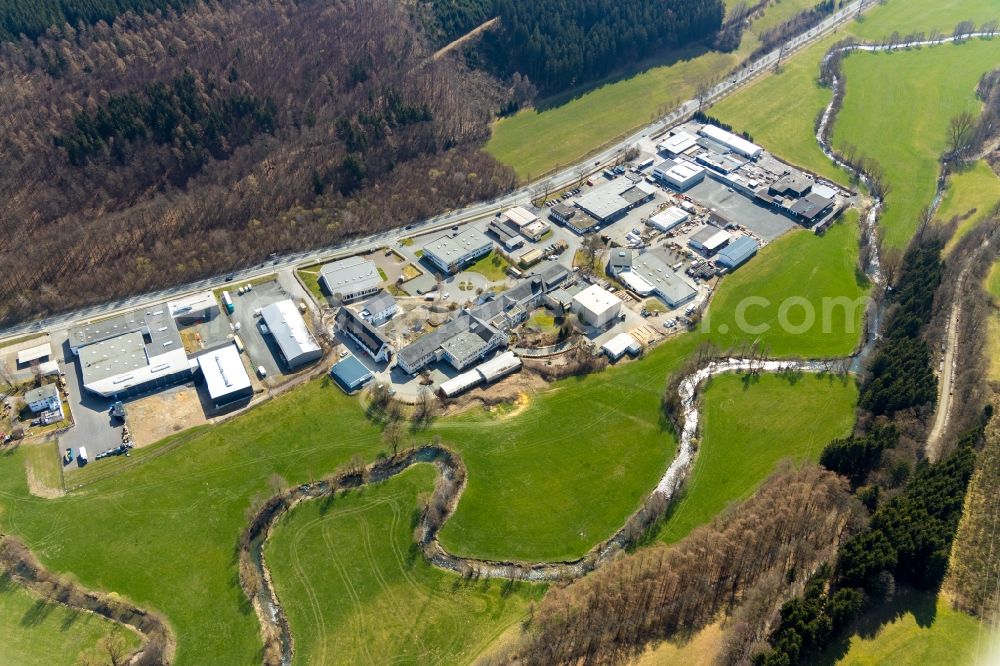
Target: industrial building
x=508 y=237
x=43 y=399
x=708 y=240
x=793 y=185
x=668 y=218
x=731 y=141
x=648 y=275
x=611 y=201
x=380 y=308
x=737 y=253
x=596 y=306
x=453 y=252
x=810 y=208
x=350 y=373
x=680 y=175
x=617 y=346
x=130 y=353
x=677 y=144
x=526 y=222
x=572 y=218
x=350 y=279
x=499 y=366
x=195 y=308
x=285 y=324
x=361 y=331
x=226 y=379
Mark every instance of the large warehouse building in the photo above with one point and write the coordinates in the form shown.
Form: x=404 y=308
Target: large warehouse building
x=668 y=218
x=453 y=252
x=596 y=306
x=735 y=143
x=225 y=377
x=131 y=353
x=611 y=201
x=290 y=333
x=647 y=275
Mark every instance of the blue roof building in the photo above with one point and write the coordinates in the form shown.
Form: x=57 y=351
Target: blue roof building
x=350 y=373
x=737 y=252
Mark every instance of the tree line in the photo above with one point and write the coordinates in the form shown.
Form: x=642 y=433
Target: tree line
x=908 y=540
x=557 y=44
x=166 y=148
x=900 y=375
x=786 y=529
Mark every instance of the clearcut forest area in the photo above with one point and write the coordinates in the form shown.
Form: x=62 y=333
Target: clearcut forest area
x=777 y=494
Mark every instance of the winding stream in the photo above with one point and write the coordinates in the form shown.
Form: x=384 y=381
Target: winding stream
x=452 y=470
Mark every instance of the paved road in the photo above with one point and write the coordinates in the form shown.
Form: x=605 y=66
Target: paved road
x=472 y=213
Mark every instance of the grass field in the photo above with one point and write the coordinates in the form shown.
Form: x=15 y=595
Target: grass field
x=976 y=188
x=362 y=592
x=746 y=434
x=780 y=110
x=43 y=466
x=798 y=274
x=493 y=267
x=880 y=118
x=565 y=130
x=993 y=324
x=38 y=633
x=913 y=630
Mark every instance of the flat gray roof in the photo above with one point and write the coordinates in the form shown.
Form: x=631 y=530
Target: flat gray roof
x=350 y=275
x=463 y=346
x=653 y=270
x=451 y=248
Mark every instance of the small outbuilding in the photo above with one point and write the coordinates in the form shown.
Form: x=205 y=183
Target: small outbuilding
x=350 y=373
x=617 y=346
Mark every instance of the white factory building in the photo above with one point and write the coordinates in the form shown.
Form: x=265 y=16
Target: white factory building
x=676 y=144
x=668 y=218
x=679 y=175
x=735 y=143
x=596 y=306
x=453 y=252
x=526 y=222
x=350 y=279
x=226 y=379
x=285 y=324
x=647 y=274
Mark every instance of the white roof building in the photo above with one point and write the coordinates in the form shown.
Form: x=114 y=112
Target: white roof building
x=451 y=253
x=202 y=305
x=225 y=376
x=668 y=218
x=36 y=353
x=618 y=345
x=596 y=306
x=680 y=175
x=520 y=216
x=352 y=278
x=677 y=144
x=290 y=332
x=735 y=143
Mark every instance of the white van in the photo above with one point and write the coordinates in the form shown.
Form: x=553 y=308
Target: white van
x=81 y=455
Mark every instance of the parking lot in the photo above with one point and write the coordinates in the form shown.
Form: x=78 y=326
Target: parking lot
x=260 y=347
x=765 y=223
x=95 y=428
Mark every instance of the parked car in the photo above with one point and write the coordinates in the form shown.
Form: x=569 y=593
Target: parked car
x=261 y=371
x=68 y=458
